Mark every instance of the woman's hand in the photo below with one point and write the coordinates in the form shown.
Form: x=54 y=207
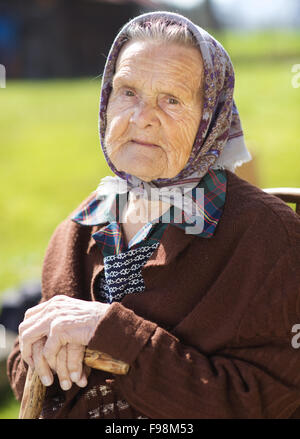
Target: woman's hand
x=54 y=334
x=69 y=365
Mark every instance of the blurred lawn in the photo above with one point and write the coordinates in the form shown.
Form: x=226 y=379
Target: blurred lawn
x=50 y=156
x=50 y=161
x=264 y=45
x=9 y=407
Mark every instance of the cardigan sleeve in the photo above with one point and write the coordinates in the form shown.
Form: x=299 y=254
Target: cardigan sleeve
x=257 y=377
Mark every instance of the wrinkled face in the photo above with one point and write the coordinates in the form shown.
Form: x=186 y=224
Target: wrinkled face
x=154 y=109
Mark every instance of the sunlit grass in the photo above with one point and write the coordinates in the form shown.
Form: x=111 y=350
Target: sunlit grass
x=269 y=109
x=50 y=160
x=9 y=406
x=263 y=45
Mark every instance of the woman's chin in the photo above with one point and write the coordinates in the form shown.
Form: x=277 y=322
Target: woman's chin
x=142 y=170
x=144 y=175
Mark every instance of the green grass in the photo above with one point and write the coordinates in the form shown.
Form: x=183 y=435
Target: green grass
x=262 y=45
x=9 y=407
x=269 y=109
x=50 y=156
x=50 y=160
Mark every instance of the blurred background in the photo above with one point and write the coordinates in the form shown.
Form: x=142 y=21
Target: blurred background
x=52 y=53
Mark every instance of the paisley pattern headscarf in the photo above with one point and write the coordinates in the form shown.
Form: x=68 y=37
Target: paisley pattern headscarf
x=219 y=143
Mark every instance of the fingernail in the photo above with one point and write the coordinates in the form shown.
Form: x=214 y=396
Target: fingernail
x=74 y=376
x=65 y=385
x=46 y=380
x=82 y=382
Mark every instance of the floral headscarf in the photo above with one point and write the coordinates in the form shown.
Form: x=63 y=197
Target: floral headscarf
x=219 y=143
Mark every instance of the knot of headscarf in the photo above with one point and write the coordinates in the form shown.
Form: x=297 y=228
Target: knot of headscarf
x=179 y=195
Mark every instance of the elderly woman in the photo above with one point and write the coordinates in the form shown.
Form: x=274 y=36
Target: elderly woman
x=197 y=292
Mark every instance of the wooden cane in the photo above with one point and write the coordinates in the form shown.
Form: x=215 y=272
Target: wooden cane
x=34 y=390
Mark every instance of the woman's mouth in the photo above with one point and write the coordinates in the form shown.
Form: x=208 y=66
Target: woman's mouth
x=141 y=142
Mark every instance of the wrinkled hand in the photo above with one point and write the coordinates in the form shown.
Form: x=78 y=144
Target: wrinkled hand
x=53 y=335
x=69 y=365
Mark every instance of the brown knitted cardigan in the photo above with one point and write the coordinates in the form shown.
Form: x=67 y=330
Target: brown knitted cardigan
x=211 y=335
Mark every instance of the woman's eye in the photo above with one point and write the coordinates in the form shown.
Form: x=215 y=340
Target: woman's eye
x=173 y=101
x=129 y=93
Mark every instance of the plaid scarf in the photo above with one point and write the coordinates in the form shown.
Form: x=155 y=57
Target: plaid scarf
x=108 y=211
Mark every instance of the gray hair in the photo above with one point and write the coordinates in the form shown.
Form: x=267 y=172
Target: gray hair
x=162 y=31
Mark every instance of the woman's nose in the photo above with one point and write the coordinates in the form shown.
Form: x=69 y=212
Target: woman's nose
x=145 y=115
